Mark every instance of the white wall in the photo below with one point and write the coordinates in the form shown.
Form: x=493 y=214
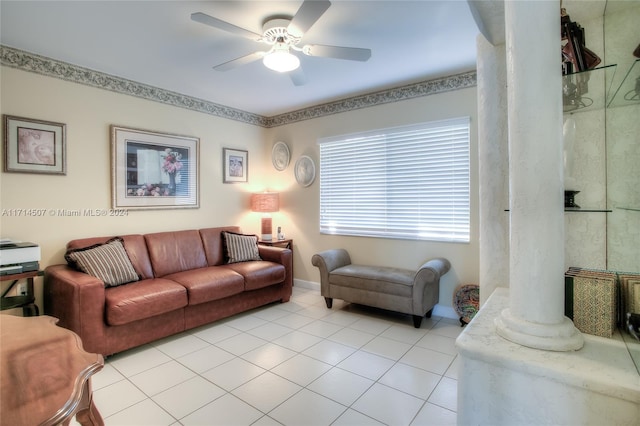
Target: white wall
x=300 y=205
x=88 y=113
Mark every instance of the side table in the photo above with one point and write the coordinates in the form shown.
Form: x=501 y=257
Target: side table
x=45 y=374
x=27 y=301
x=277 y=243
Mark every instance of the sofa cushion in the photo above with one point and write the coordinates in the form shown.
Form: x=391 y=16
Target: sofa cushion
x=394 y=281
x=214 y=244
x=240 y=247
x=259 y=274
x=143 y=299
x=109 y=262
x=178 y=251
x=210 y=283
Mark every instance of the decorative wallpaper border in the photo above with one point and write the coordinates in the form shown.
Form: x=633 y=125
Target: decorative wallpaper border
x=416 y=90
x=31 y=62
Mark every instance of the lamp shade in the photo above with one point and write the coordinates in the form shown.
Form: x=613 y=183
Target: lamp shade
x=265 y=202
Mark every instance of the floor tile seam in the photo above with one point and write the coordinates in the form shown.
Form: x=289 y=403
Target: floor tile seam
x=367 y=415
x=424 y=401
x=146 y=397
x=145 y=370
x=271 y=410
x=173 y=385
x=433 y=350
x=373 y=382
x=400 y=390
x=178 y=419
x=140 y=402
x=384 y=356
x=299 y=391
x=283 y=377
x=424 y=369
x=436 y=350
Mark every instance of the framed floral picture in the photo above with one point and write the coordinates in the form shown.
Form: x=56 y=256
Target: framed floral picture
x=235 y=165
x=34 y=146
x=151 y=170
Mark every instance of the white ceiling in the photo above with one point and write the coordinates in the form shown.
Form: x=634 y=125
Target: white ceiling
x=156 y=43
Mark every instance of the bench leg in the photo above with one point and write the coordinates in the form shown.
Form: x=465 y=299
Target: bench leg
x=329 y=302
x=417 y=321
x=429 y=313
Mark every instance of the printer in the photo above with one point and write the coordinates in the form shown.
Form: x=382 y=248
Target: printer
x=18 y=257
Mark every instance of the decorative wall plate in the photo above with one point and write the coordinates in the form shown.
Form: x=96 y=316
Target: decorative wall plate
x=305 y=170
x=280 y=156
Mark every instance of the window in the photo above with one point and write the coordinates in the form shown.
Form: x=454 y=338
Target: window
x=408 y=182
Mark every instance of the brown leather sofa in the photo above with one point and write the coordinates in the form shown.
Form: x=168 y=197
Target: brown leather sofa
x=184 y=283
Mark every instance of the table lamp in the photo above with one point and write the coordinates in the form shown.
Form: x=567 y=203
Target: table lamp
x=265 y=202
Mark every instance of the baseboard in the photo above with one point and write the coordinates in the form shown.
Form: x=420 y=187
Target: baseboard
x=438 y=310
x=445 y=312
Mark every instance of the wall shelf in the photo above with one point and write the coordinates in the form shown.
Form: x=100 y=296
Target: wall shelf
x=587 y=90
x=628 y=93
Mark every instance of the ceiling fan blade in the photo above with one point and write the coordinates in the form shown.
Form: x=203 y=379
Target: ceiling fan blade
x=298 y=77
x=310 y=11
x=338 y=52
x=243 y=60
x=203 y=18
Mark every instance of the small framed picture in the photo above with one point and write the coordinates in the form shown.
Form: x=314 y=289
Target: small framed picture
x=235 y=165
x=34 y=146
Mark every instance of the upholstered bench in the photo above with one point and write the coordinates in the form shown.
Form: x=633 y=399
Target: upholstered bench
x=400 y=290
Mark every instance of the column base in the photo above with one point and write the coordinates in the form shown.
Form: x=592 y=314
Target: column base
x=560 y=337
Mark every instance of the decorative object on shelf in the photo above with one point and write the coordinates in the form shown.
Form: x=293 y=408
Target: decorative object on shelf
x=235 y=164
x=151 y=170
x=265 y=202
x=280 y=156
x=576 y=57
x=34 y=146
x=280 y=234
x=466 y=302
x=569 y=199
x=305 y=171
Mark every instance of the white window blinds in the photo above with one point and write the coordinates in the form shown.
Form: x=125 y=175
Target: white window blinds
x=407 y=182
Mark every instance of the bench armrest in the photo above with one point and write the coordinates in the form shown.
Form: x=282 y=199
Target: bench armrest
x=426 y=284
x=327 y=261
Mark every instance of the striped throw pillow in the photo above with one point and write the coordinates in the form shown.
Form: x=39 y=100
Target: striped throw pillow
x=108 y=262
x=240 y=248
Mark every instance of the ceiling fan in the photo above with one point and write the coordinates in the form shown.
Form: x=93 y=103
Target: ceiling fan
x=284 y=36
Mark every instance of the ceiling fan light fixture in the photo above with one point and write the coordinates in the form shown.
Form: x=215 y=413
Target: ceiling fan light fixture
x=280 y=59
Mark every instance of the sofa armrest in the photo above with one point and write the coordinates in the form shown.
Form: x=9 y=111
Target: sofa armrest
x=327 y=261
x=426 y=288
x=283 y=256
x=77 y=300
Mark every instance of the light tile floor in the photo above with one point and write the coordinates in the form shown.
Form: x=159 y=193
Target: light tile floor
x=296 y=363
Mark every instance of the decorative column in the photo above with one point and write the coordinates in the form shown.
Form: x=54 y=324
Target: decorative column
x=493 y=167
x=535 y=316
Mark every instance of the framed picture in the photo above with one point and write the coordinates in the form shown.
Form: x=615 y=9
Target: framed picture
x=235 y=165
x=151 y=170
x=34 y=146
